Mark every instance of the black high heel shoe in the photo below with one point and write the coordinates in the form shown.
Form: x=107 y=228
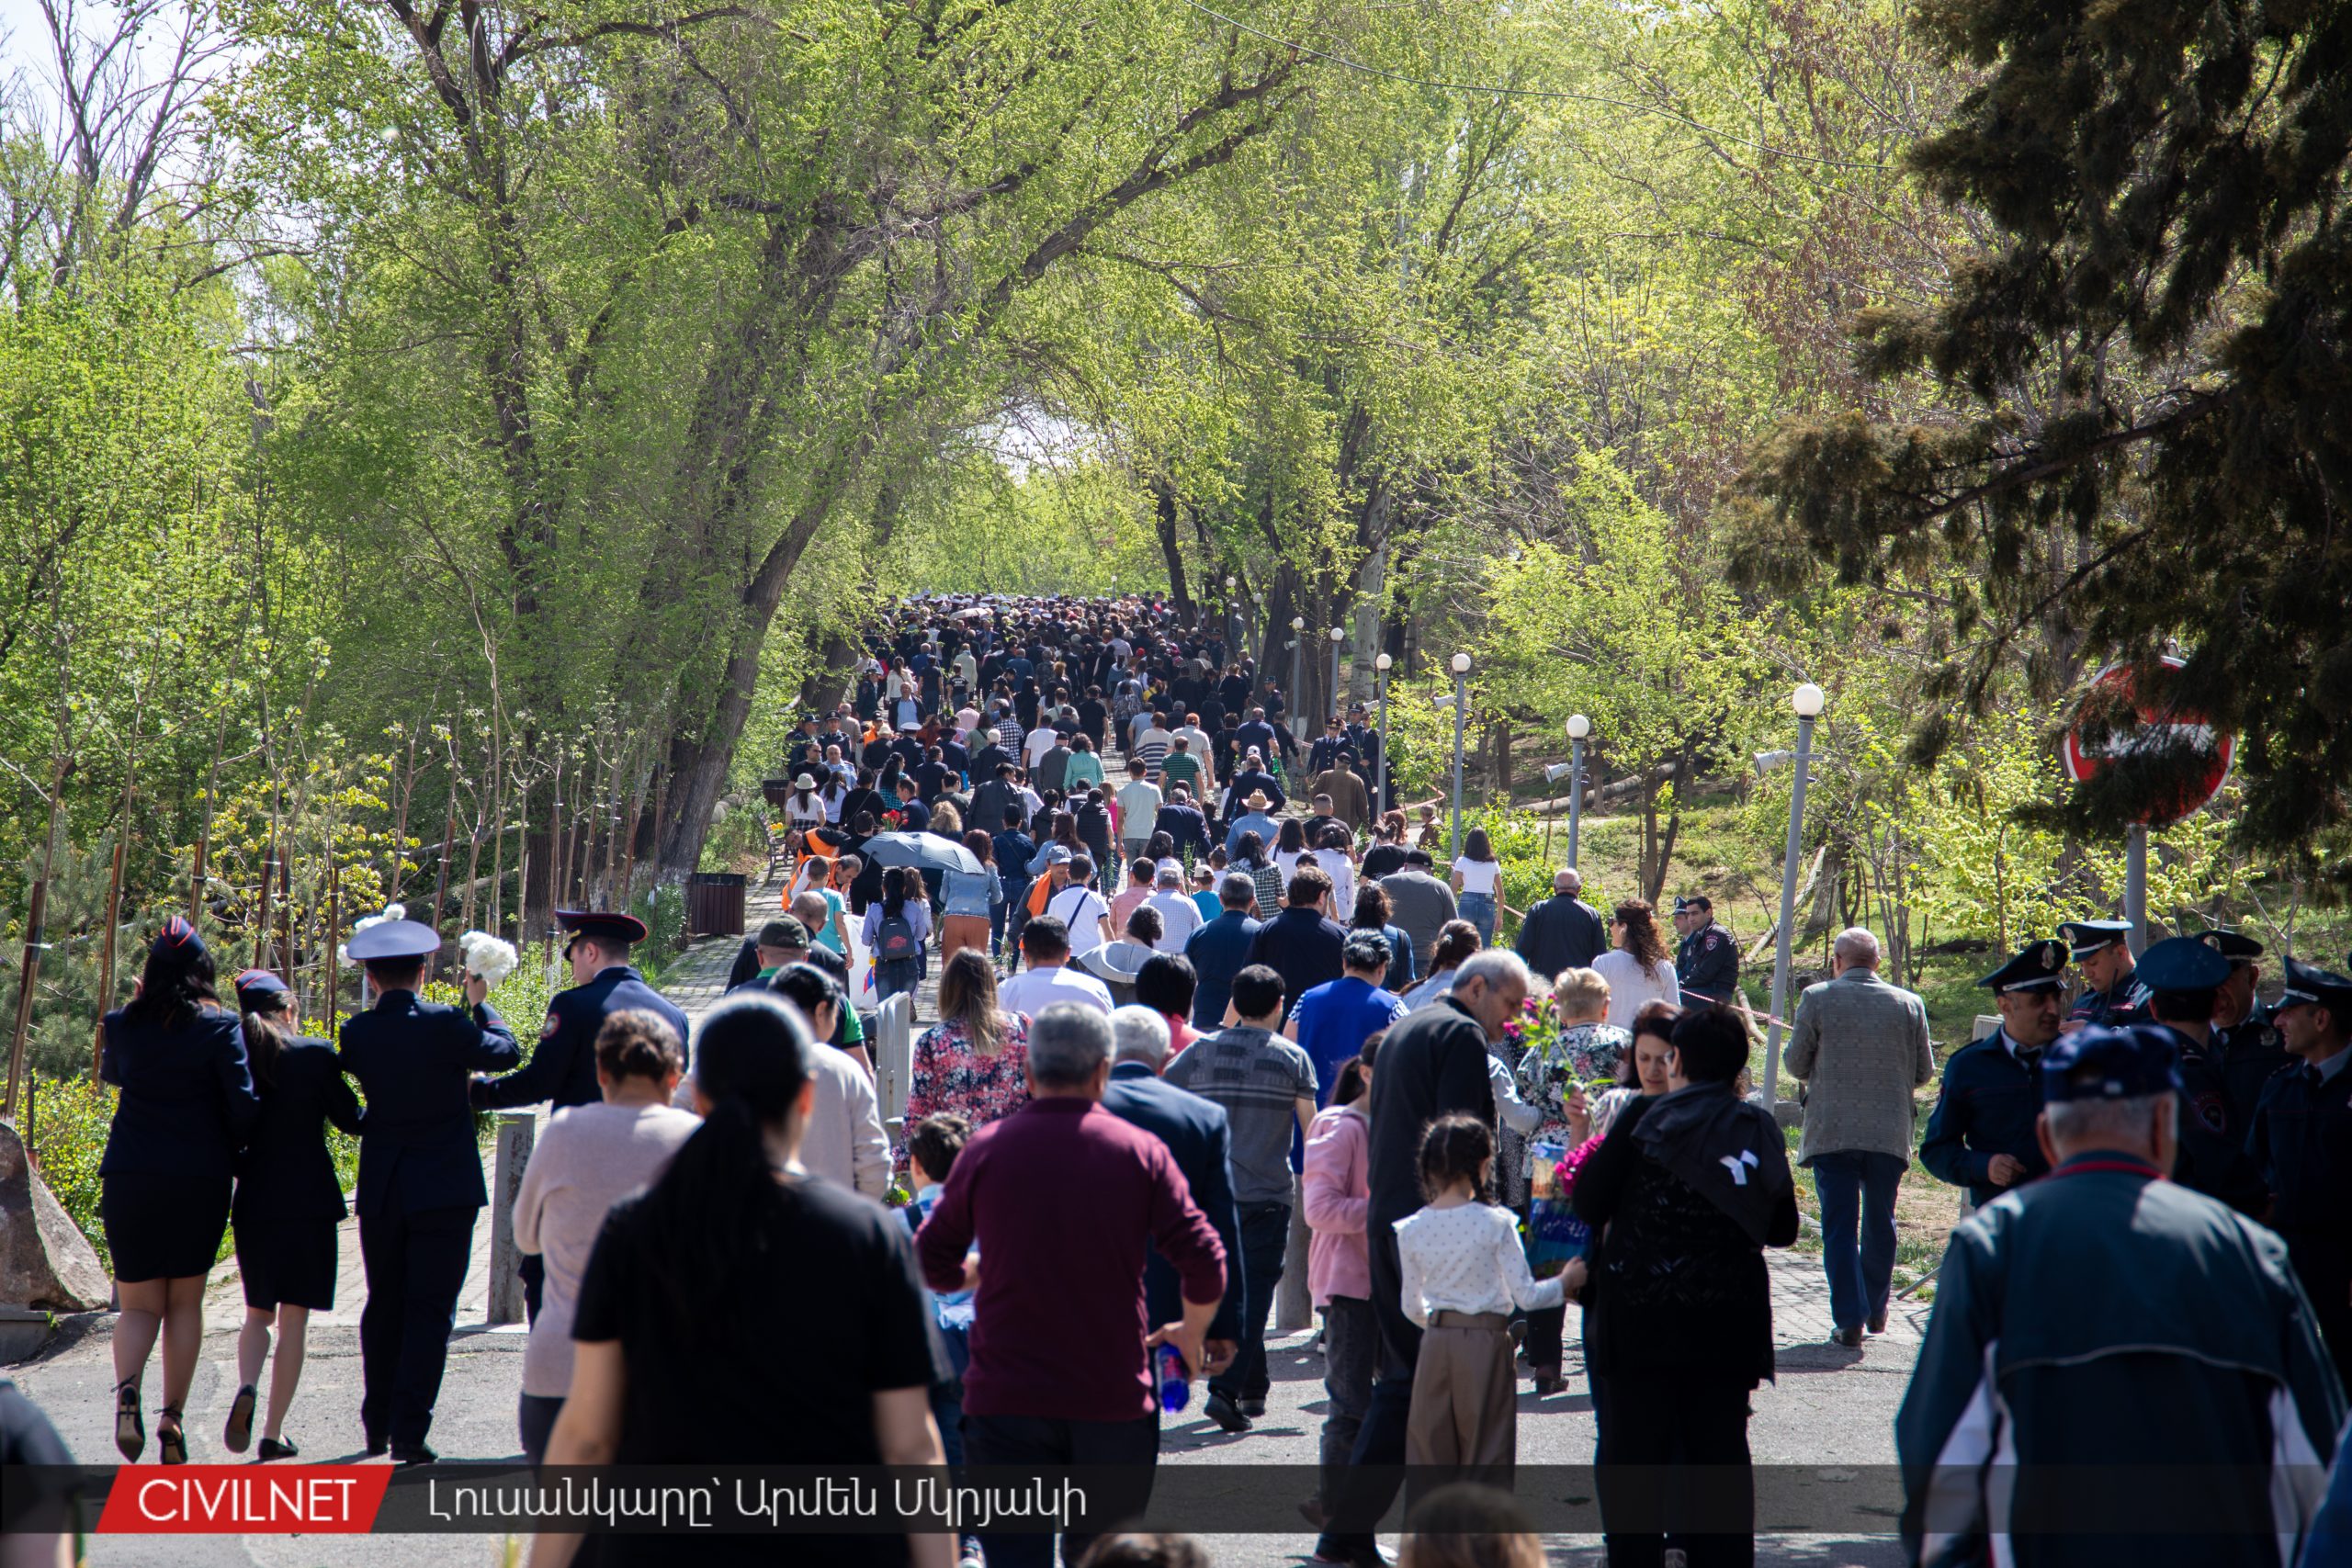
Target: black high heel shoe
x=170 y=1440
x=239 y=1432
x=129 y=1427
x=276 y=1448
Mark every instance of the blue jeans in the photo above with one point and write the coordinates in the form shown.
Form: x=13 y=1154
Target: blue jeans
x=1265 y=1231
x=1856 y=1185
x=1478 y=909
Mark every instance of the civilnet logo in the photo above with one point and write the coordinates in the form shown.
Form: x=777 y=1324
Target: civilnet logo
x=236 y=1499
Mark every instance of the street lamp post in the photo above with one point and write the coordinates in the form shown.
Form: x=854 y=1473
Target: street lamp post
x=1461 y=663
x=1808 y=700
x=1578 y=728
x=1297 y=669
x=1339 y=635
x=1380 y=666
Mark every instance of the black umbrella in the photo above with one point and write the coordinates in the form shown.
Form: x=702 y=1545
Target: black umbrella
x=925 y=849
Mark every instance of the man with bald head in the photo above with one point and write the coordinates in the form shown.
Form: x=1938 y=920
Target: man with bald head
x=1860 y=1045
x=1563 y=931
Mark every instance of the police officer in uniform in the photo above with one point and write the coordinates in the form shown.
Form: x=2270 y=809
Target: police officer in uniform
x=420 y=1175
x=2101 y=1322
x=2252 y=1050
x=2111 y=993
x=2302 y=1140
x=562 y=1069
x=1706 y=962
x=2181 y=976
x=1980 y=1135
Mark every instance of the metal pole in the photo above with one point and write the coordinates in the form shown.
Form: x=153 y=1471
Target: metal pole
x=2135 y=885
x=1576 y=796
x=1381 y=785
x=1297 y=678
x=1788 y=918
x=1335 y=675
x=1461 y=705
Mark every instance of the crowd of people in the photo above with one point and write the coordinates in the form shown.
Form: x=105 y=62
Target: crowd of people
x=1173 y=1017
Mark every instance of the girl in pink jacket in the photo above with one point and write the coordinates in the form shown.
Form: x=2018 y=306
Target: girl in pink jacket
x=1339 y=1270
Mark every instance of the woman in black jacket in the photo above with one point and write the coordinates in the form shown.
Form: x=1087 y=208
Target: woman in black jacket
x=289 y=1203
x=1684 y=1194
x=187 y=1100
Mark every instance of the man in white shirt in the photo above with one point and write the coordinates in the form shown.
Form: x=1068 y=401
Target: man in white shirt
x=1040 y=741
x=1047 y=978
x=1078 y=906
x=1179 y=916
x=1140 y=803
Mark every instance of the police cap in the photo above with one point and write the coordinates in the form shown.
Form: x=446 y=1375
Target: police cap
x=2087 y=937
x=2235 y=946
x=392 y=940
x=176 y=942
x=254 y=987
x=2038 y=966
x=2310 y=986
x=2110 y=1063
x=604 y=925
x=2181 y=964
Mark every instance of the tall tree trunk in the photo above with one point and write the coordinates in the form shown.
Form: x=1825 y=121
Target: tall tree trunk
x=1163 y=495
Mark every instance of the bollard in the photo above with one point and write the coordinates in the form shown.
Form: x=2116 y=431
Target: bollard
x=893 y=1052
x=1293 y=1301
x=517 y=1131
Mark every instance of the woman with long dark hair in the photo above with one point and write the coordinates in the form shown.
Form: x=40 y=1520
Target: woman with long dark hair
x=696 y=1339
x=896 y=927
x=1478 y=884
x=289 y=1203
x=186 y=1101
x=1371 y=913
x=1637 y=967
x=1266 y=879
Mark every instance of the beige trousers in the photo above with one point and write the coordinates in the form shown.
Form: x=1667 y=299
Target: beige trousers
x=1466 y=1399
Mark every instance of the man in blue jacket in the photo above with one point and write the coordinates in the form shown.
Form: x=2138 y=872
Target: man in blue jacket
x=1199 y=1136
x=1980 y=1135
x=420 y=1176
x=2102 y=1326
x=1220 y=949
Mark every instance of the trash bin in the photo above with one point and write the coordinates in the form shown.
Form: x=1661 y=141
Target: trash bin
x=714 y=903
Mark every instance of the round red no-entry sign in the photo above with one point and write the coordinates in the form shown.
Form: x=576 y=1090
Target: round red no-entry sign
x=2162 y=728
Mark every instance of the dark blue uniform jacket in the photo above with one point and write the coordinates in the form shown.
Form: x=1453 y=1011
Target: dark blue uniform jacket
x=562 y=1070
x=414 y=1060
x=1985 y=1107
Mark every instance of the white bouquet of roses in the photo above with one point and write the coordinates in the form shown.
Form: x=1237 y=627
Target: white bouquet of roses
x=488 y=957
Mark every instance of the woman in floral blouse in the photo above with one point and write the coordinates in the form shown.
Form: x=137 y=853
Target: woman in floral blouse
x=1582 y=1049
x=970 y=1063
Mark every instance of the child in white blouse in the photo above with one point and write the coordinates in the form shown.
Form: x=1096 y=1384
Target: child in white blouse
x=1464 y=1270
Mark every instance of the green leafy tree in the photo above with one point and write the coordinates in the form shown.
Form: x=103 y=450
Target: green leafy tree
x=2150 y=367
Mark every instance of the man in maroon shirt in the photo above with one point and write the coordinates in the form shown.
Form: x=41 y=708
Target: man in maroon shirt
x=1062 y=1198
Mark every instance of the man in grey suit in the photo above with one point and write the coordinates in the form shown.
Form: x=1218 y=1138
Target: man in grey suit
x=1861 y=1046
